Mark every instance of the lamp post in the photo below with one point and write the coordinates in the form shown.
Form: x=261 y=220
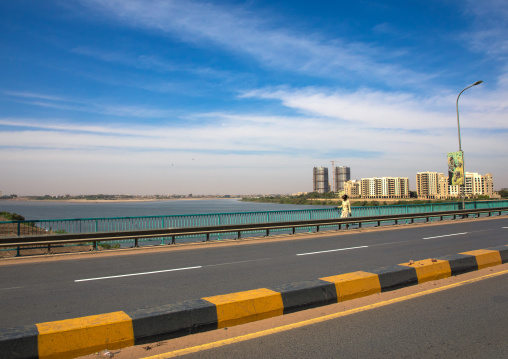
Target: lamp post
x=460 y=145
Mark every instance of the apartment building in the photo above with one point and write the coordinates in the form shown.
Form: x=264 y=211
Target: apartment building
x=443 y=187
x=384 y=187
x=433 y=185
x=427 y=184
x=478 y=185
x=352 y=188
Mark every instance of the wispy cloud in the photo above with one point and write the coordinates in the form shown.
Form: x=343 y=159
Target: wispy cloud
x=490 y=26
x=150 y=62
x=87 y=106
x=32 y=95
x=240 y=31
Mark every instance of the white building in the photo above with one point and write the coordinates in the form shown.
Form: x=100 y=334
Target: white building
x=436 y=185
x=384 y=187
x=478 y=185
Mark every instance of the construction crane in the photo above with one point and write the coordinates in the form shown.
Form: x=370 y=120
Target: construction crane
x=333 y=172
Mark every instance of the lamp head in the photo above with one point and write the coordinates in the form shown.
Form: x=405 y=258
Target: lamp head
x=477 y=83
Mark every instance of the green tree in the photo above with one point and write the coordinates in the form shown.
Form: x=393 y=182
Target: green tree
x=12 y=216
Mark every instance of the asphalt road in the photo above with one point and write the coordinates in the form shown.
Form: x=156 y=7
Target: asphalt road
x=469 y=321
x=47 y=291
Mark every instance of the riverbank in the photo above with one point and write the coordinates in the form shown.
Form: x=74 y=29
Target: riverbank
x=329 y=199
x=74 y=200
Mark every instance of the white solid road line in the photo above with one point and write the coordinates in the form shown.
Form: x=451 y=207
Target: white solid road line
x=11 y=288
x=239 y=262
x=446 y=235
x=168 y=270
x=134 y=274
x=331 y=250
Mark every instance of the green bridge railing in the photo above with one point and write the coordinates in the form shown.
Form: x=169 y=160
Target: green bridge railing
x=90 y=225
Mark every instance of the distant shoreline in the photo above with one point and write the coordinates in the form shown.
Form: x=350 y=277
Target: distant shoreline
x=111 y=200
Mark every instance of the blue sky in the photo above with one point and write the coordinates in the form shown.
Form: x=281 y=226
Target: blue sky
x=230 y=97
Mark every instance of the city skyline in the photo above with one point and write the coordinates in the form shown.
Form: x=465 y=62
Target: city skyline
x=209 y=97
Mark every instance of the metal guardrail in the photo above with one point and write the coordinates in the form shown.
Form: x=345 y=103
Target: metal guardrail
x=173 y=233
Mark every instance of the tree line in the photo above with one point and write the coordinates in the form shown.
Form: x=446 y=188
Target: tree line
x=330 y=199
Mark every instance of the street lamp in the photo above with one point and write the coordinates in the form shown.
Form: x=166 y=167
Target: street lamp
x=460 y=145
x=458 y=123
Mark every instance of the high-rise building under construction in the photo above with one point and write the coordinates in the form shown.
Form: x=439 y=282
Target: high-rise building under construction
x=341 y=176
x=320 y=180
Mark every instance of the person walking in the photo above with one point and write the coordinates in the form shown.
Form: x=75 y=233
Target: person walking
x=346 y=207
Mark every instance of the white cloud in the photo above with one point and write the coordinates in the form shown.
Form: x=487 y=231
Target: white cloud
x=240 y=31
x=151 y=62
x=87 y=106
x=373 y=109
x=490 y=26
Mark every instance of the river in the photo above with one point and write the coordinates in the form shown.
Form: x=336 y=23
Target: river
x=32 y=210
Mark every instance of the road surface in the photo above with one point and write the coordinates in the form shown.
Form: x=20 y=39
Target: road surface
x=39 y=291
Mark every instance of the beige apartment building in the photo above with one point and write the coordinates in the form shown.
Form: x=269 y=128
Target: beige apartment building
x=427 y=184
x=433 y=185
x=383 y=187
x=443 y=187
x=352 y=188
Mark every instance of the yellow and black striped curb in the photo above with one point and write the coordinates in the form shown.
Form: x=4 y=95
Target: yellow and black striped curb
x=80 y=336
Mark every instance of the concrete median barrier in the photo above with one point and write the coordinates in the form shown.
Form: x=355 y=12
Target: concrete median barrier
x=86 y=335
x=172 y=320
x=305 y=295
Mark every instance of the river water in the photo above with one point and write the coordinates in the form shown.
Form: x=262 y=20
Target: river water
x=32 y=210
